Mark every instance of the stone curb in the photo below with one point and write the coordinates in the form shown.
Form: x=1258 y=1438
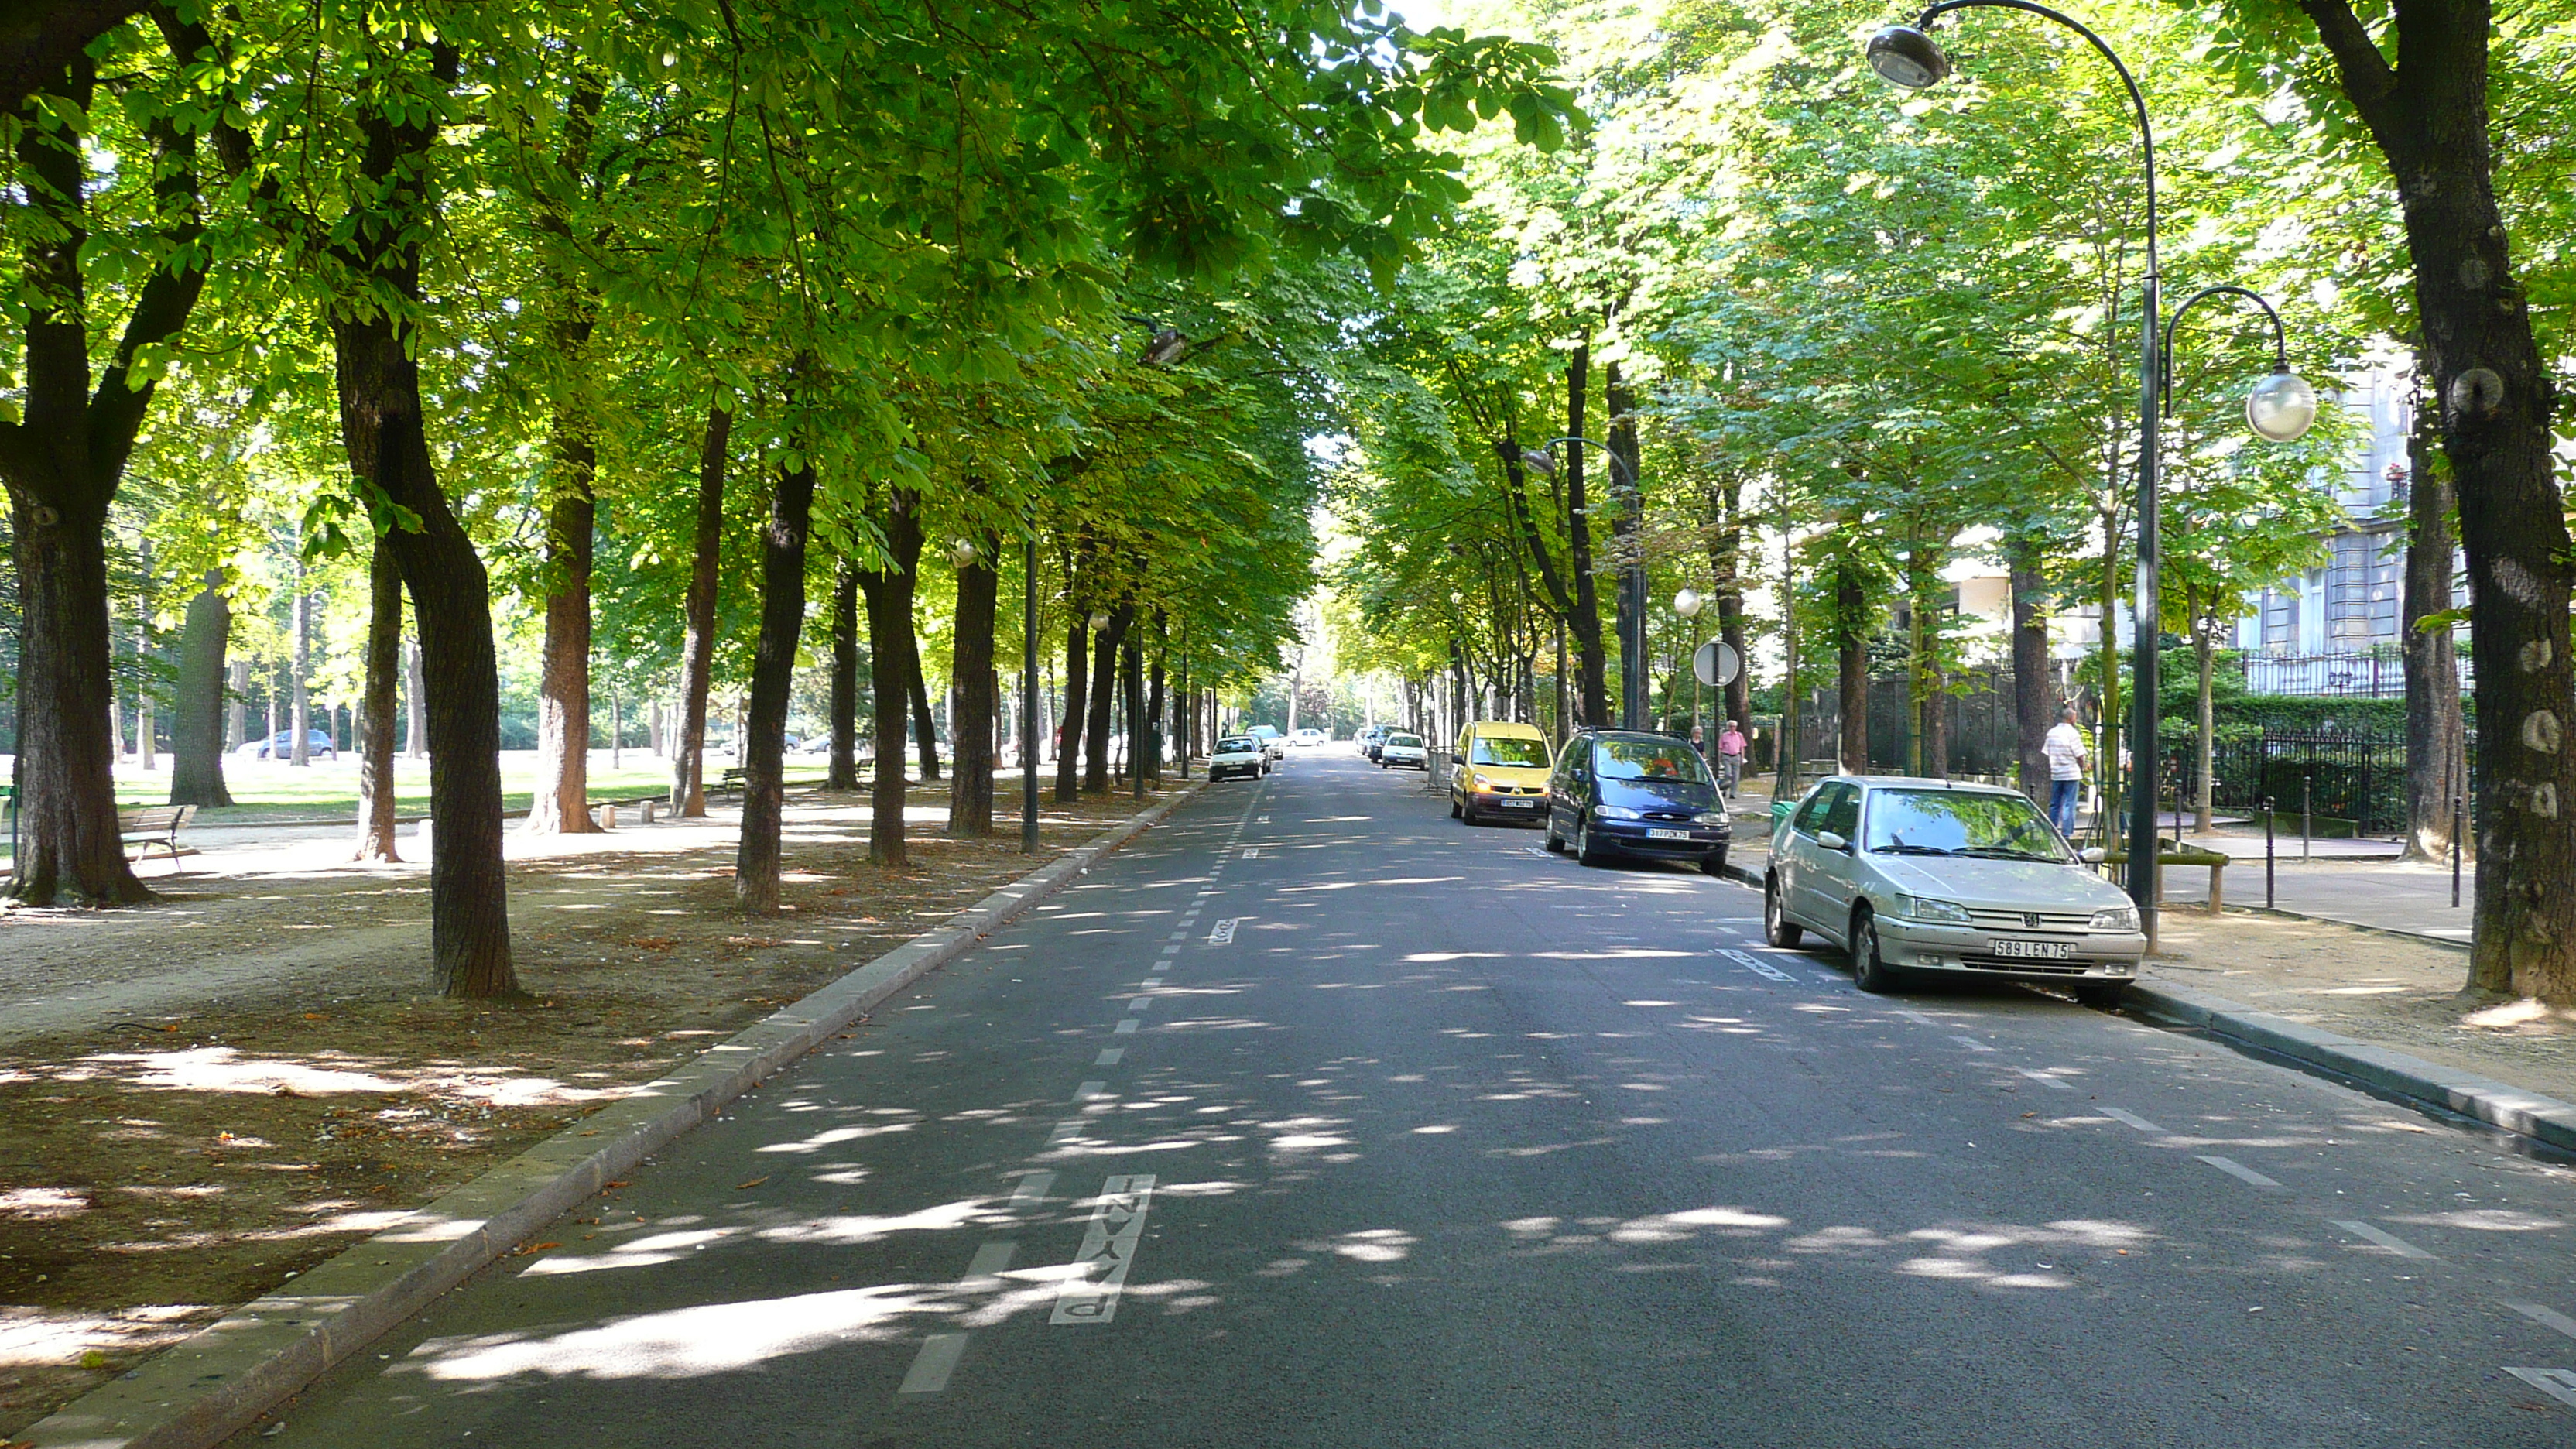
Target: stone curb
x=201 y=1391
x=2400 y=932
x=2500 y=1104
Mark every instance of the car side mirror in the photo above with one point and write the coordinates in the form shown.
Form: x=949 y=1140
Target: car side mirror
x=1831 y=841
x=2093 y=855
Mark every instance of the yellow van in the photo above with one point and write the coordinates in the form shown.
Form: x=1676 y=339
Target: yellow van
x=1500 y=774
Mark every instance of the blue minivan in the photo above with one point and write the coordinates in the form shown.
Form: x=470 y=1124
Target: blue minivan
x=1628 y=792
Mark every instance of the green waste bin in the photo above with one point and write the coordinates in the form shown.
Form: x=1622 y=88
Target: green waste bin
x=1780 y=811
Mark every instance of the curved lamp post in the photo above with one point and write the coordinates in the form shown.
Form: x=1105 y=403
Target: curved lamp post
x=1632 y=589
x=2280 y=409
x=1687 y=603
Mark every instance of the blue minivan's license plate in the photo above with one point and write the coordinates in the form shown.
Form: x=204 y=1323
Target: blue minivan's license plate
x=1668 y=835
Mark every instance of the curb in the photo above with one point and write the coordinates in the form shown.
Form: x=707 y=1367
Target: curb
x=2400 y=932
x=201 y=1391
x=2381 y=1069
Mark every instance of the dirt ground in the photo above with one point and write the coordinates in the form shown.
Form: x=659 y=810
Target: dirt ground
x=201 y=1098
x=2388 y=990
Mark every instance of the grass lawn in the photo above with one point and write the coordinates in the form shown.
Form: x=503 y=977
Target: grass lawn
x=273 y=791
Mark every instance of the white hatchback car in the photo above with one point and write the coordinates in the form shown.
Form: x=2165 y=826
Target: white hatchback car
x=1403 y=750
x=1926 y=875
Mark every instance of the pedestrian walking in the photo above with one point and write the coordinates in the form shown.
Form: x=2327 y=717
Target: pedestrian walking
x=2067 y=759
x=1730 y=754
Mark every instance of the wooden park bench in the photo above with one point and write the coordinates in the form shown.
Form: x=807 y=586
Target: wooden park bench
x=156 y=827
x=733 y=781
x=2170 y=853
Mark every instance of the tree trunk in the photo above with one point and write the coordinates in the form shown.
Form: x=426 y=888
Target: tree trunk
x=970 y=734
x=1586 y=623
x=698 y=643
x=1153 y=715
x=561 y=803
x=1104 y=684
x=1726 y=560
x=63 y=457
x=299 y=743
x=925 y=730
x=844 y=772
x=1851 y=638
x=2437 y=776
x=197 y=716
x=2429 y=115
x=1627 y=527
x=773 y=673
x=383 y=425
x=1131 y=693
x=889 y=596
x=376 y=713
x=2033 y=698
x=2204 y=650
x=1069 y=735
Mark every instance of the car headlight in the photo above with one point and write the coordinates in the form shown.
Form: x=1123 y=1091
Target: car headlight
x=2118 y=918
x=1709 y=817
x=1618 y=812
x=1483 y=784
x=1923 y=908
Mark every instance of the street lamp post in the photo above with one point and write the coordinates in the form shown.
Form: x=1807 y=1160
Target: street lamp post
x=1687 y=604
x=1906 y=55
x=1029 y=691
x=1632 y=591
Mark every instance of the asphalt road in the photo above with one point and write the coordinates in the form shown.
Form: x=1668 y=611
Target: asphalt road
x=1318 y=1119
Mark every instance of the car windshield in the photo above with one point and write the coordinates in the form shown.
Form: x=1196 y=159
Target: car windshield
x=1238 y=745
x=1988 y=826
x=1668 y=760
x=1505 y=750
x=1404 y=739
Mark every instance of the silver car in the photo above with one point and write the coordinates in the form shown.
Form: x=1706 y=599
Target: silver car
x=1915 y=875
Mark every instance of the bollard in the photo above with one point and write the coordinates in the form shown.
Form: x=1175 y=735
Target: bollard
x=648 y=810
x=2267 y=852
x=2307 y=811
x=608 y=816
x=2459 y=827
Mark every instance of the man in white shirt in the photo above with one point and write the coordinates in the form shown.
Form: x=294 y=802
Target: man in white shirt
x=2065 y=750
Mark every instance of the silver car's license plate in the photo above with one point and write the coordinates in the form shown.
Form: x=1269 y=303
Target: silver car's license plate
x=1668 y=835
x=2035 y=950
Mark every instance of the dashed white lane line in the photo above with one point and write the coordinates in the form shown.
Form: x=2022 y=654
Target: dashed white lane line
x=2546 y=1317
x=1139 y=1004
x=1109 y=1056
x=2237 y=1170
x=1972 y=1044
x=984 y=1270
x=1757 y=965
x=1125 y=1026
x=1089 y=1090
x=1171 y=950
x=1031 y=1191
x=2387 y=1240
x=2045 y=1080
x=1089 y=1292
x=1064 y=1132
x=932 y=1366
x=2559 y=1384
x=2134 y=1120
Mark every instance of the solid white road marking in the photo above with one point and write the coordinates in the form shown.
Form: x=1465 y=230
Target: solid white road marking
x=1757 y=965
x=2390 y=1241
x=1108 y=1056
x=1125 y=1025
x=2237 y=1170
x=984 y=1270
x=2549 y=1317
x=2044 y=1079
x=1972 y=1044
x=1089 y=1293
x=1032 y=1189
x=932 y=1366
x=1224 y=931
x=2134 y=1120
x=1916 y=1016
x=2558 y=1384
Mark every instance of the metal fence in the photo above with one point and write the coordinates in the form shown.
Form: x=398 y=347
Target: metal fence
x=2354 y=780
x=2348 y=676
x=1984 y=735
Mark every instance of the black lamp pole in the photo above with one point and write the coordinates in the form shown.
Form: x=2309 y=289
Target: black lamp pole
x=1029 y=723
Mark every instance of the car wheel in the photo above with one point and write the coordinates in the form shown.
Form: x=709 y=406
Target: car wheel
x=1584 y=850
x=2101 y=995
x=1869 y=971
x=1777 y=928
x=1457 y=810
x=1714 y=863
x=1555 y=842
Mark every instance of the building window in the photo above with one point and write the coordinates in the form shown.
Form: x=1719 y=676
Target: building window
x=2362 y=589
x=2280 y=620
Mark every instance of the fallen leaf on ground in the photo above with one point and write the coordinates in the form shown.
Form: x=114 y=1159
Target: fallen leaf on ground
x=755 y=1182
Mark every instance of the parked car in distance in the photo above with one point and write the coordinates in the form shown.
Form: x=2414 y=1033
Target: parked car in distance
x=1626 y=792
x=1307 y=739
x=1911 y=875
x=1273 y=743
x=1238 y=755
x=1368 y=740
x=279 y=746
x=1501 y=773
x=1402 y=750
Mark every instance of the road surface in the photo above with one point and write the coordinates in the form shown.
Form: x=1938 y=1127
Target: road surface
x=1315 y=1118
